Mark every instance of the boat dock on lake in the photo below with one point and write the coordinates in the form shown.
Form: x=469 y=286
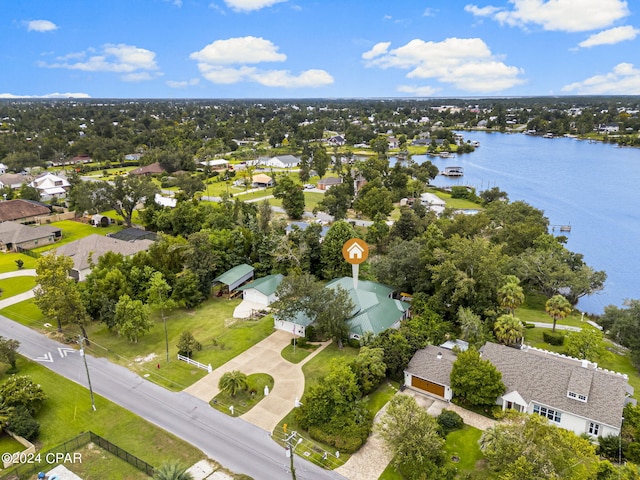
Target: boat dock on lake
x=452 y=172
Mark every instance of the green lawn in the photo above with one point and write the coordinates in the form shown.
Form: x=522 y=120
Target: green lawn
x=298 y=354
x=244 y=400
x=72 y=230
x=8 y=262
x=67 y=413
x=455 y=202
x=26 y=313
x=533 y=311
x=16 y=285
x=463 y=444
x=96 y=461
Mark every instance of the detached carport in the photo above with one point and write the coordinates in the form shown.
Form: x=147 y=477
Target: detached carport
x=233 y=278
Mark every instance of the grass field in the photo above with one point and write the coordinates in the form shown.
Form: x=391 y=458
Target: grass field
x=8 y=262
x=67 y=412
x=244 y=400
x=16 y=285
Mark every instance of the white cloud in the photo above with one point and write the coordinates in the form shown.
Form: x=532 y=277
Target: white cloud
x=465 y=63
x=132 y=61
x=623 y=80
x=41 y=26
x=611 y=36
x=183 y=83
x=283 y=78
x=429 y=12
x=230 y=61
x=47 y=95
x=378 y=49
x=140 y=76
x=424 y=91
x=556 y=15
x=250 y=5
x=240 y=50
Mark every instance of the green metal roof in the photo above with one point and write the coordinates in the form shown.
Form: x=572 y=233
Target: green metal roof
x=265 y=285
x=234 y=275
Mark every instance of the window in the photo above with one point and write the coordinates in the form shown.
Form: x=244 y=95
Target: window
x=594 y=429
x=582 y=398
x=549 y=413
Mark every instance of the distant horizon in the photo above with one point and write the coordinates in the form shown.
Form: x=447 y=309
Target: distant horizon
x=299 y=49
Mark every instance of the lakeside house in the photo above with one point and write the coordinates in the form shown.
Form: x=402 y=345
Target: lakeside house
x=573 y=394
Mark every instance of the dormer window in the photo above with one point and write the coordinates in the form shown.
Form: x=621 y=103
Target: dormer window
x=576 y=396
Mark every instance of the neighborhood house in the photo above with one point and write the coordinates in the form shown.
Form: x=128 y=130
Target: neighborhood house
x=572 y=394
x=16 y=237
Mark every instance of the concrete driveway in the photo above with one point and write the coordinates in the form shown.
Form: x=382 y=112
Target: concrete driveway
x=263 y=357
x=6 y=302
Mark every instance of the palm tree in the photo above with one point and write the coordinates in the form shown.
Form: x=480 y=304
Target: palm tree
x=508 y=329
x=232 y=382
x=172 y=471
x=511 y=294
x=558 y=308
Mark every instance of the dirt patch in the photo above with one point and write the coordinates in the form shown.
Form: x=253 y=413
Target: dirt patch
x=148 y=358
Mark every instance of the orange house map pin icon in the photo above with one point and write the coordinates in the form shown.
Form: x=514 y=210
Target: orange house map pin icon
x=355 y=251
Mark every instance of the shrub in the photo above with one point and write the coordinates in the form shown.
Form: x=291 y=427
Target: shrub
x=449 y=421
x=22 y=423
x=553 y=338
x=299 y=342
x=353 y=343
x=311 y=334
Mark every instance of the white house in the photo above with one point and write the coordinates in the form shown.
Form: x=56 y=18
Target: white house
x=3 y=168
x=262 y=291
x=282 y=161
x=572 y=394
x=50 y=186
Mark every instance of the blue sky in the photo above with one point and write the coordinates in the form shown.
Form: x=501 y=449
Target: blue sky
x=318 y=48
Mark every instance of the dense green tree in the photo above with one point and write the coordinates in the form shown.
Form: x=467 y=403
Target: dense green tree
x=516 y=225
x=9 y=353
x=336 y=201
x=90 y=197
x=128 y=192
x=373 y=199
x=378 y=233
x=401 y=267
x=397 y=352
x=557 y=307
x=529 y=448
x=411 y=435
x=159 y=298
x=472 y=328
x=369 y=368
x=321 y=160
x=186 y=290
x=28 y=192
x=292 y=197
x=335 y=307
x=511 y=294
x=233 y=382
x=187 y=344
x=132 y=318
x=587 y=344
x=508 y=329
x=22 y=391
x=57 y=295
x=333 y=263
x=475 y=381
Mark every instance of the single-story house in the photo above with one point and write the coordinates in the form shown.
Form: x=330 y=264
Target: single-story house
x=88 y=250
x=132 y=234
x=571 y=393
x=165 y=201
x=15 y=236
x=261 y=180
x=328 y=182
x=217 y=164
x=262 y=291
x=50 y=186
x=14 y=180
x=23 y=211
x=281 y=161
x=374 y=309
x=336 y=140
x=433 y=202
x=151 y=169
x=235 y=277
x=133 y=157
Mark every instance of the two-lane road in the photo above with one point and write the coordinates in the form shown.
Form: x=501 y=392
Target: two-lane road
x=236 y=444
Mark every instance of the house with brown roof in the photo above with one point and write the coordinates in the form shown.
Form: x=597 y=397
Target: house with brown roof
x=151 y=169
x=328 y=182
x=88 y=250
x=23 y=211
x=15 y=237
x=573 y=394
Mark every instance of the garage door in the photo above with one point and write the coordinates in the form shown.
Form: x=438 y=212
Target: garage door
x=427 y=386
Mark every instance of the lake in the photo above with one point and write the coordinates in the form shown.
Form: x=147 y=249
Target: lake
x=594 y=187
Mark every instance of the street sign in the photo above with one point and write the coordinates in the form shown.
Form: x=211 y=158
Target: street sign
x=355 y=251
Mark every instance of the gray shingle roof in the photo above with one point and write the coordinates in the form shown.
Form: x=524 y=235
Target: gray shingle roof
x=544 y=378
x=426 y=364
x=16 y=233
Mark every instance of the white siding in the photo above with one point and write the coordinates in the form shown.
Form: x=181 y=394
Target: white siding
x=290 y=327
x=578 y=425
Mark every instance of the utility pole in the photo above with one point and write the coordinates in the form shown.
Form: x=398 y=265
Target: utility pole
x=290 y=448
x=81 y=340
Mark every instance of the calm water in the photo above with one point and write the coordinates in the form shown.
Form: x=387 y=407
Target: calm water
x=593 y=187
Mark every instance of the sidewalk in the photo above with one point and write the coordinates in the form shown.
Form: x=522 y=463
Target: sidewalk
x=21 y=297
x=263 y=357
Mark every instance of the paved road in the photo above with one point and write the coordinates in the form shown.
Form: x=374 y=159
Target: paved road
x=235 y=443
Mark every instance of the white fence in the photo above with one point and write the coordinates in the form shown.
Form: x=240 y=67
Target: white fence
x=197 y=364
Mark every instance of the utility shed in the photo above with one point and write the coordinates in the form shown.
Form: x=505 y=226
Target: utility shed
x=235 y=277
